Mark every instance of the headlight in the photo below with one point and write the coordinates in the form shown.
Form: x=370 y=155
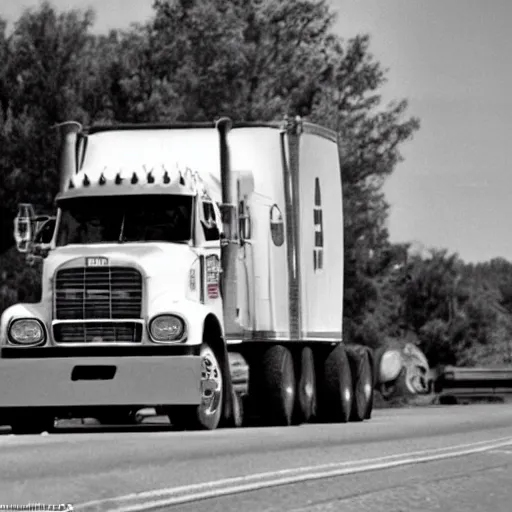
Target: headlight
x=26 y=331
x=166 y=328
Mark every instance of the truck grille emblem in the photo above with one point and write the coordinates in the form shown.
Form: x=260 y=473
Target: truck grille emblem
x=96 y=262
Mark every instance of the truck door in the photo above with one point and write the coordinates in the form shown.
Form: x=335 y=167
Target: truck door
x=238 y=285
x=210 y=274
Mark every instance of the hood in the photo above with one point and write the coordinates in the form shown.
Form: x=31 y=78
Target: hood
x=161 y=263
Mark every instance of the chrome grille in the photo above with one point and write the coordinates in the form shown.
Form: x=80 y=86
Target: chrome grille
x=84 y=293
x=98 y=332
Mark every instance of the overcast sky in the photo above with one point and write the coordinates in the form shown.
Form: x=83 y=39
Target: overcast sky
x=450 y=58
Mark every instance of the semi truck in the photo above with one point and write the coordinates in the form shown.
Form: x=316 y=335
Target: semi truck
x=171 y=247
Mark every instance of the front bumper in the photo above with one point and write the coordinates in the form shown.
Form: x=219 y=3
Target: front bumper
x=100 y=381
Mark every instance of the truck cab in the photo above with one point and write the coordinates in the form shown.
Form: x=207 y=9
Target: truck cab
x=130 y=293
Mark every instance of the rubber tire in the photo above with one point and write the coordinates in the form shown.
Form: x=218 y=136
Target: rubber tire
x=377 y=358
x=362 y=375
x=369 y=410
x=27 y=423
x=233 y=411
x=305 y=406
x=276 y=387
x=371 y=360
x=334 y=384
x=186 y=417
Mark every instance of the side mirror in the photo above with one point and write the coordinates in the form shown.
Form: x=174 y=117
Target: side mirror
x=24 y=225
x=244 y=221
x=229 y=223
x=208 y=221
x=245 y=188
x=33 y=234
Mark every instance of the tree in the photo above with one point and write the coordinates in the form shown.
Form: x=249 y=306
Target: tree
x=41 y=83
x=44 y=71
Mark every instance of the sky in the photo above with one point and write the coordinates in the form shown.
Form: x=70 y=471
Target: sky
x=450 y=59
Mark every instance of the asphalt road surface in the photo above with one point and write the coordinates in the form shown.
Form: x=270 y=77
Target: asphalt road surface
x=447 y=459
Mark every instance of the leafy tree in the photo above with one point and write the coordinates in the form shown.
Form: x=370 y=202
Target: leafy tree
x=40 y=85
x=43 y=78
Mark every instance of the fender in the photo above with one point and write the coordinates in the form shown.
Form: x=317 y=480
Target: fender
x=193 y=313
x=35 y=310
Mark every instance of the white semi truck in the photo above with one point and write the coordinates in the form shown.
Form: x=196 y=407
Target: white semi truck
x=173 y=245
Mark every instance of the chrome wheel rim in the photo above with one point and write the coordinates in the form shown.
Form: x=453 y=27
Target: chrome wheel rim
x=211 y=383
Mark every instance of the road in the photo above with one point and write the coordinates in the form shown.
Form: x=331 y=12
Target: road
x=423 y=459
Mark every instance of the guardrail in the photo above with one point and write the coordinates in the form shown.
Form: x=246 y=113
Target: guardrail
x=454 y=384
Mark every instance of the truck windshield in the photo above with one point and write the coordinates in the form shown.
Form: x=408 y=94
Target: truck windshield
x=148 y=218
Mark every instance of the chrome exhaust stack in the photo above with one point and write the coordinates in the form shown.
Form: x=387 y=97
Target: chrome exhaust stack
x=224 y=126
x=69 y=154
x=229 y=237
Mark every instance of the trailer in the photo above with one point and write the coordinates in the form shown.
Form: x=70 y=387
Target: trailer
x=172 y=246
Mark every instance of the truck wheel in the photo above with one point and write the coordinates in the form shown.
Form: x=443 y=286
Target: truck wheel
x=371 y=360
x=28 y=423
x=362 y=383
x=207 y=415
x=305 y=404
x=276 y=387
x=334 y=387
x=369 y=410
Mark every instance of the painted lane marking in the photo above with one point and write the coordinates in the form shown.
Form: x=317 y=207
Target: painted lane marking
x=148 y=500
x=503 y=451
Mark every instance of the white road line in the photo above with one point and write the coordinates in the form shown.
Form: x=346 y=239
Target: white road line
x=148 y=500
x=502 y=452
